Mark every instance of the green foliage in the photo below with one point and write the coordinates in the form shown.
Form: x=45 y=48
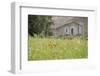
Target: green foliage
x=38 y=24
x=52 y=48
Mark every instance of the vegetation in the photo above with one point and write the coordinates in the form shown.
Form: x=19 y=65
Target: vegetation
x=39 y=25
x=51 y=48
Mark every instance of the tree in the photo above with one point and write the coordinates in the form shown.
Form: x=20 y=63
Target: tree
x=38 y=24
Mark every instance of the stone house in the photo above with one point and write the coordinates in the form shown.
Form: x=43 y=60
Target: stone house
x=73 y=26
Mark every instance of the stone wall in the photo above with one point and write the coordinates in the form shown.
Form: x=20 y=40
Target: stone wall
x=70 y=26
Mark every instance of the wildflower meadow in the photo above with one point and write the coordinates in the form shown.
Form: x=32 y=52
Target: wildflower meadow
x=52 y=48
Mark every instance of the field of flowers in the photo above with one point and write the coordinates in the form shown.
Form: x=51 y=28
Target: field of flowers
x=52 y=48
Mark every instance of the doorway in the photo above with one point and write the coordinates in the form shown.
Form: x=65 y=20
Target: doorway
x=72 y=31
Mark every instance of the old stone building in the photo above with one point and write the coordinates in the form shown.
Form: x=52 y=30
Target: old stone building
x=65 y=26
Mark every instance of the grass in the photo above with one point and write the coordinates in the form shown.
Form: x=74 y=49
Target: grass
x=51 y=48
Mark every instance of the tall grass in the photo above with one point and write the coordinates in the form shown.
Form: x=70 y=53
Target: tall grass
x=52 y=48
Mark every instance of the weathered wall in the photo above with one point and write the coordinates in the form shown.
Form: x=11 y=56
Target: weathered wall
x=78 y=24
